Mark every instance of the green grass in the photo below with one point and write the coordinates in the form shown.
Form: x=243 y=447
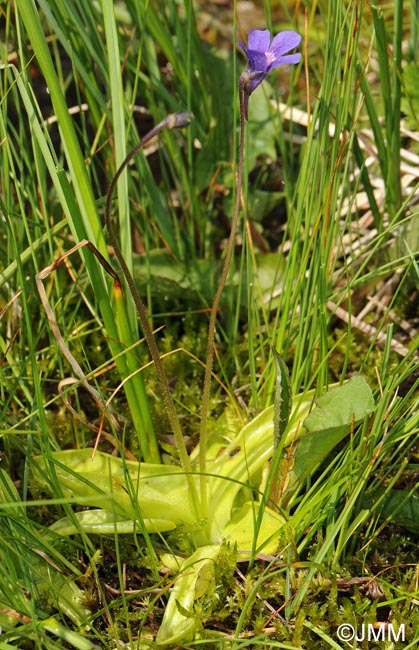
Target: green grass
x=324 y=272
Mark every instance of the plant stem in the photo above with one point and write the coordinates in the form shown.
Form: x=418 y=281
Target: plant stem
x=172 y=121
x=203 y=438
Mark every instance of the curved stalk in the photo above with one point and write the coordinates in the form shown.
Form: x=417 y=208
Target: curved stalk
x=172 y=121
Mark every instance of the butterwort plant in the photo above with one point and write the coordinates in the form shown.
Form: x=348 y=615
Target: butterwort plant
x=218 y=505
x=263 y=55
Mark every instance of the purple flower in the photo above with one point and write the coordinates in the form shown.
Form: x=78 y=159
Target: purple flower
x=264 y=55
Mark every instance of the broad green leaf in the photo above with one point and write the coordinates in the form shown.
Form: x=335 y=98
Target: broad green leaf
x=104 y=522
x=400 y=506
x=194 y=282
x=195 y=579
x=337 y=412
x=262 y=203
x=342 y=406
x=267 y=279
x=238 y=466
x=240 y=530
x=116 y=485
x=164 y=276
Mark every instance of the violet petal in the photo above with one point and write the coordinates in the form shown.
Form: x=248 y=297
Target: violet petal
x=285 y=60
x=257 y=61
x=259 y=39
x=284 y=42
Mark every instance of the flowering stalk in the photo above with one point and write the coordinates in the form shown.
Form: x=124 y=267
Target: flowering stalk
x=262 y=56
x=172 y=121
x=203 y=434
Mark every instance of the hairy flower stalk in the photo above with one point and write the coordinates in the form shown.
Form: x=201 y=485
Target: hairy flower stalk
x=262 y=56
x=172 y=121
